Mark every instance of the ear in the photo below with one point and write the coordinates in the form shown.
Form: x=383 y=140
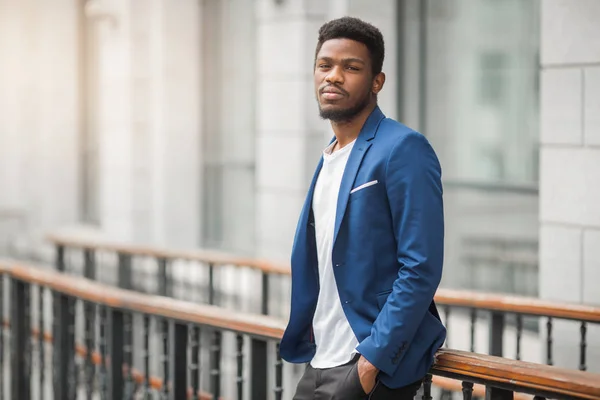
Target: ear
x=378 y=83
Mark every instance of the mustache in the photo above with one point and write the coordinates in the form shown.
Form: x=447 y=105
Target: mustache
x=337 y=89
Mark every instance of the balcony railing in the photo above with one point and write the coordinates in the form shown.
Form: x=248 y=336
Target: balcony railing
x=103 y=364
x=498 y=311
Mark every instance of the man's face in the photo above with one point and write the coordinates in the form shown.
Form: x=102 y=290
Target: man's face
x=343 y=79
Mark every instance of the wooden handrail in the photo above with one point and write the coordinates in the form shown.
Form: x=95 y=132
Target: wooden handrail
x=449 y=297
x=451 y=363
x=167 y=307
x=204 y=256
x=517 y=305
x=521 y=374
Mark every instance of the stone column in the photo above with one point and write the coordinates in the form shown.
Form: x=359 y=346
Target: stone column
x=166 y=121
x=115 y=136
x=149 y=121
x=39 y=122
x=570 y=168
x=289 y=131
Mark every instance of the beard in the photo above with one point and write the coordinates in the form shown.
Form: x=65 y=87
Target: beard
x=344 y=114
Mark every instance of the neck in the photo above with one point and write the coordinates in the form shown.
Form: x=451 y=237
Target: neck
x=347 y=131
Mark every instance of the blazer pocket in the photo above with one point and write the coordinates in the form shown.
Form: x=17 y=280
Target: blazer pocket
x=364 y=186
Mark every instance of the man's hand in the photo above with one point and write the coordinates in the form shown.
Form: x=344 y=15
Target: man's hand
x=367 y=373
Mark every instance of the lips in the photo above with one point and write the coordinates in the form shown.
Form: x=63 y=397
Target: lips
x=331 y=94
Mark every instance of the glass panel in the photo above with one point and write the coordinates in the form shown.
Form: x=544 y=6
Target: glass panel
x=482 y=88
x=478 y=105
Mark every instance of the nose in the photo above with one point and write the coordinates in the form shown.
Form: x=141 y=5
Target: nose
x=335 y=76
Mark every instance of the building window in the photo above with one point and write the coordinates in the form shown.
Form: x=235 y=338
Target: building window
x=491 y=84
x=477 y=102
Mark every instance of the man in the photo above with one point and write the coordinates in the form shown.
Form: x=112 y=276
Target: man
x=368 y=250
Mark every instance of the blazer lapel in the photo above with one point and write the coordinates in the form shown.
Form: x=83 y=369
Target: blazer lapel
x=306 y=208
x=362 y=144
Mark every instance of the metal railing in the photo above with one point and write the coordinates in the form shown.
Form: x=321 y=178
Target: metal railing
x=498 y=311
x=127 y=267
x=102 y=366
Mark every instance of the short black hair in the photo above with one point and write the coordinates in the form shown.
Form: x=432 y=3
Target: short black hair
x=358 y=30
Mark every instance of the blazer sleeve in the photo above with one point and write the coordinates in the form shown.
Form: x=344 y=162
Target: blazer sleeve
x=414 y=190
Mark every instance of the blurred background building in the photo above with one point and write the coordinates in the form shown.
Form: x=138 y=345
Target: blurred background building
x=193 y=123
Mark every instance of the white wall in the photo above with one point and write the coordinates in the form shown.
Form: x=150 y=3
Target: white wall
x=143 y=111
x=570 y=167
x=149 y=91
x=39 y=114
x=289 y=131
x=144 y=115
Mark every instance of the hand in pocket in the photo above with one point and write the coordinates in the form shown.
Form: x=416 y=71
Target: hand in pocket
x=351 y=388
x=367 y=374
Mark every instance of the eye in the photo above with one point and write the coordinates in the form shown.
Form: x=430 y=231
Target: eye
x=323 y=66
x=352 y=68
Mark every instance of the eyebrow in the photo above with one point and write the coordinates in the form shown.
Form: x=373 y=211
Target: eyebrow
x=344 y=60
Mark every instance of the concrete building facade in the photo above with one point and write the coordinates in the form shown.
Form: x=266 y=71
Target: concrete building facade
x=570 y=163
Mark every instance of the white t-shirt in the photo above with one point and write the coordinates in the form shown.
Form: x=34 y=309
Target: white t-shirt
x=335 y=340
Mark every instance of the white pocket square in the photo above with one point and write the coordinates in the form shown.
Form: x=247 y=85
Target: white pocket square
x=364 y=185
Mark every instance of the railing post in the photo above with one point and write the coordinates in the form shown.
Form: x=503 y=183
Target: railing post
x=64 y=347
x=124 y=272
x=89 y=270
x=165 y=357
x=20 y=369
x=164 y=281
x=60 y=361
x=72 y=370
x=492 y=393
x=258 y=369
x=117 y=335
x=41 y=340
x=130 y=385
x=211 y=284
x=427 y=387
x=278 y=375
x=116 y=355
x=265 y=294
x=258 y=350
x=215 y=364
x=60 y=258
x=496 y=334
x=180 y=385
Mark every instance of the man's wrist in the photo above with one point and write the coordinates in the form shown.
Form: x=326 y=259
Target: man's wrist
x=366 y=364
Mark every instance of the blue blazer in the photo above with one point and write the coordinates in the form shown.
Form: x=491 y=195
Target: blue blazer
x=387 y=254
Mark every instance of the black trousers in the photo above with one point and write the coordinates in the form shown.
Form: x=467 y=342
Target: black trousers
x=342 y=383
